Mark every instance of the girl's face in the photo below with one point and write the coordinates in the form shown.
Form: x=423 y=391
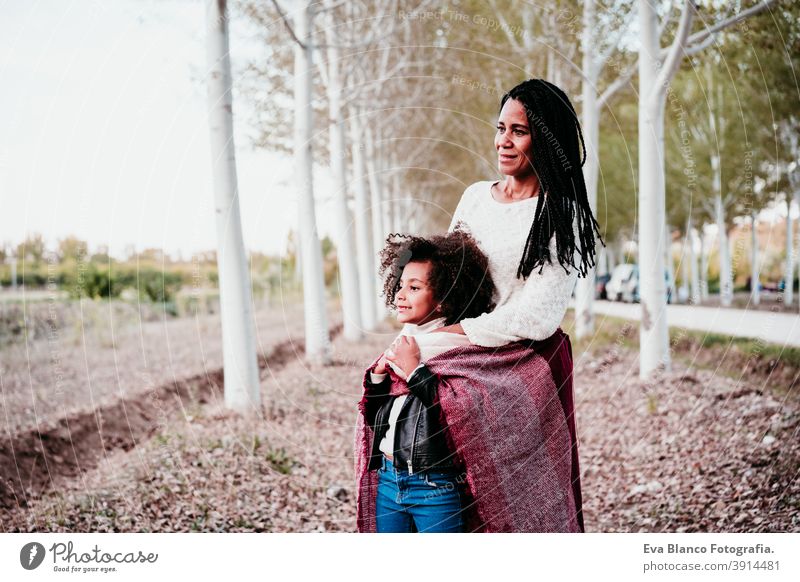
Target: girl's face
x=513 y=141
x=414 y=301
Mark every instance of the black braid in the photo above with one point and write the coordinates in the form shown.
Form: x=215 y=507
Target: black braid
x=554 y=126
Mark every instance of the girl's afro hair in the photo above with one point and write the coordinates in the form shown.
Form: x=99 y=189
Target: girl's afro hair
x=459 y=273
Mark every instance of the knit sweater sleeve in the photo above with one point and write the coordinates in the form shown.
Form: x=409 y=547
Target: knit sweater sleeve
x=534 y=312
x=461 y=209
x=534 y=308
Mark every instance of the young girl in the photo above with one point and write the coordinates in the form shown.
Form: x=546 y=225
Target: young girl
x=431 y=283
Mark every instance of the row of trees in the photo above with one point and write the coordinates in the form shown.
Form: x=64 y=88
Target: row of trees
x=399 y=99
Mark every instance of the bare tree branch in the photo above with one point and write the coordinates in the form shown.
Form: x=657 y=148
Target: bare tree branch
x=699 y=47
x=287 y=24
x=618 y=84
x=700 y=36
x=675 y=52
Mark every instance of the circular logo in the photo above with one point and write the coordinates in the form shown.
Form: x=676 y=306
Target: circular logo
x=31 y=555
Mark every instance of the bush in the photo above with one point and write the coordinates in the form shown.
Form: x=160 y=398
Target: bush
x=90 y=280
x=158 y=286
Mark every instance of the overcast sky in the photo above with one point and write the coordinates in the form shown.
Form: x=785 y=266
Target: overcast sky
x=104 y=135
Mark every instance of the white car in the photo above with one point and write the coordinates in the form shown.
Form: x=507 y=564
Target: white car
x=620 y=276
x=630 y=290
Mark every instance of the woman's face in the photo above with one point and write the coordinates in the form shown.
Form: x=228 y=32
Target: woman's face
x=513 y=141
x=414 y=301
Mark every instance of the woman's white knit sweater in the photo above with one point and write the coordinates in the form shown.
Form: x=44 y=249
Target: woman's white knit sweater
x=525 y=309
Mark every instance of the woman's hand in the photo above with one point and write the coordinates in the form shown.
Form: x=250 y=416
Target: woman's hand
x=381 y=366
x=404 y=353
x=455 y=328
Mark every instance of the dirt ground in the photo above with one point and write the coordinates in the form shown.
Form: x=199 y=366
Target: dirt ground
x=695 y=450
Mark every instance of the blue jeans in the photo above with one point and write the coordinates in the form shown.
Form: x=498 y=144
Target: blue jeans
x=425 y=502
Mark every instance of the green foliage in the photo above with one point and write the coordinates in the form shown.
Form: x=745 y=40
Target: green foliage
x=90 y=280
x=72 y=248
x=280 y=460
x=31 y=250
x=157 y=286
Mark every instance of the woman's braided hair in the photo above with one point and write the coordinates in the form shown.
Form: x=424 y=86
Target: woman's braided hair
x=557 y=161
x=459 y=274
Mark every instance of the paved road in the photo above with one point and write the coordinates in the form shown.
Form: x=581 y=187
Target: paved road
x=777 y=328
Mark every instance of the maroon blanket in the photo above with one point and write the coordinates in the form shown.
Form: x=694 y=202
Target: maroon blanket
x=510 y=418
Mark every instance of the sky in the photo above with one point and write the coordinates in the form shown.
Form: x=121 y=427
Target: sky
x=104 y=133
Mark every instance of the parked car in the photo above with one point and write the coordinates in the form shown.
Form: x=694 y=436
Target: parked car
x=600 y=283
x=630 y=290
x=619 y=276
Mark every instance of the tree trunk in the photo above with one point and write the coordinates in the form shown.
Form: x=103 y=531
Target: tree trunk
x=686 y=259
x=611 y=252
x=685 y=262
x=584 y=291
x=242 y=389
x=725 y=270
x=704 y=251
x=796 y=253
x=298 y=261
x=318 y=348
x=755 y=287
x=397 y=211
x=654 y=338
x=364 y=249
x=669 y=264
x=346 y=256
x=379 y=223
x=695 y=293
x=788 y=275
x=602 y=261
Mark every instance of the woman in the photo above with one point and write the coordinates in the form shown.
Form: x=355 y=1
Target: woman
x=509 y=410
x=533 y=213
x=537 y=144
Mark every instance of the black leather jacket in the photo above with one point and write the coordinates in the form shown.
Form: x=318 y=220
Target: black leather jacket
x=419 y=435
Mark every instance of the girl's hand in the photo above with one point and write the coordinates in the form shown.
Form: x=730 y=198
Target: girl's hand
x=380 y=367
x=404 y=353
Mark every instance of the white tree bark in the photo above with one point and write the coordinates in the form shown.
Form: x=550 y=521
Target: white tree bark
x=792 y=256
x=755 y=287
x=725 y=268
x=318 y=348
x=788 y=275
x=602 y=261
x=397 y=209
x=346 y=256
x=668 y=263
x=686 y=257
x=653 y=331
x=242 y=390
x=379 y=223
x=704 y=251
x=797 y=252
x=367 y=273
x=584 y=291
x=612 y=257
x=298 y=263
x=654 y=78
x=694 y=293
